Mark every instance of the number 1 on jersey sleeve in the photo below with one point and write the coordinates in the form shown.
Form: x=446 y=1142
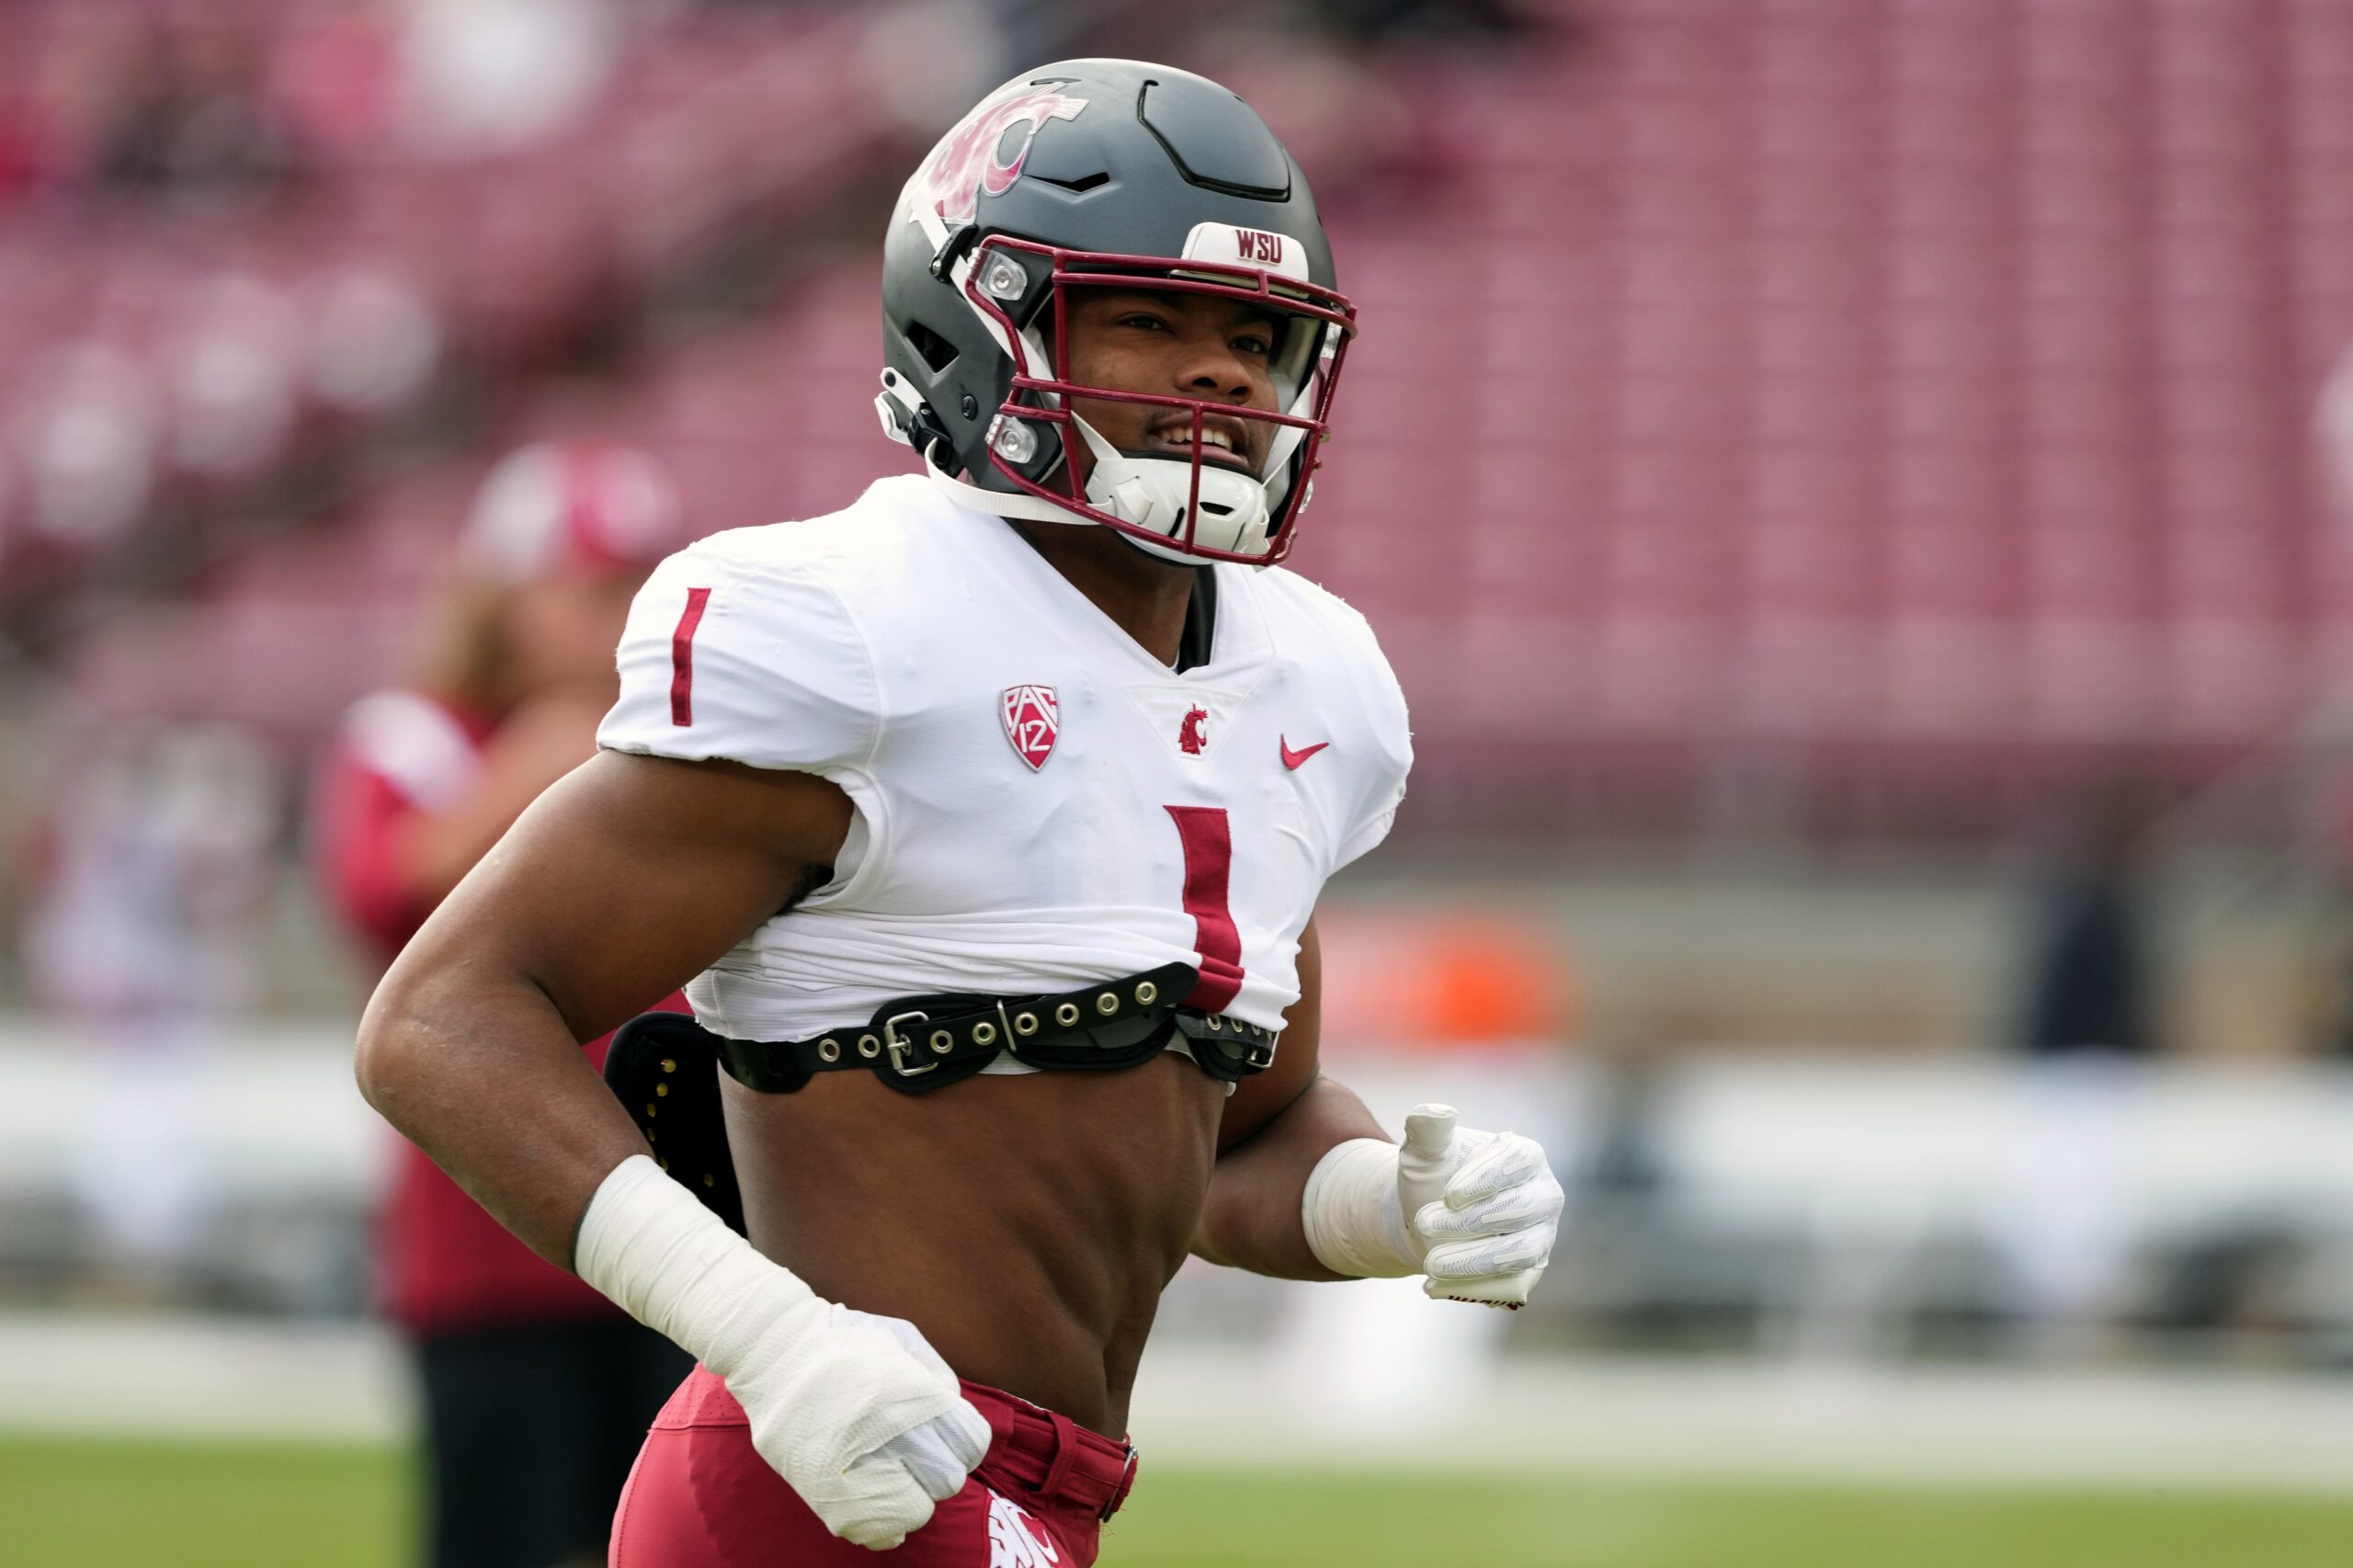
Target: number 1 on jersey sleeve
x=1207 y=838
x=682 y=658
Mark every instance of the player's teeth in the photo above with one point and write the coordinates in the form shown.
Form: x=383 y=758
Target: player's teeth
x=1217 y=438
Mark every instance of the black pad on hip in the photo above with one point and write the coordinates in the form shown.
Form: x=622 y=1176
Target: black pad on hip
x=664 y=1067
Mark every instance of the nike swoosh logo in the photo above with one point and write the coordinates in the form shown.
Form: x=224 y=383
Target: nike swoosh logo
x=1292 y=760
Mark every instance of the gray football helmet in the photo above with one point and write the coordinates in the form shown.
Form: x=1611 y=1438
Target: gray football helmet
x=1091 y=174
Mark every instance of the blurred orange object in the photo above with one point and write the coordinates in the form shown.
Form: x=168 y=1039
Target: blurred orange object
x=1447 y=980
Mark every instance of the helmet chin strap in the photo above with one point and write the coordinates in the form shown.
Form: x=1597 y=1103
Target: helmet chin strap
x=997 y=502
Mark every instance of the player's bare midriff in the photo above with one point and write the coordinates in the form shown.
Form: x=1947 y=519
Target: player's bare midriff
x=1026 y=1225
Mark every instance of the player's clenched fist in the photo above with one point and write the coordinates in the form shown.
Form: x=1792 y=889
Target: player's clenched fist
x=1475 y=1211
x=857 y=1412
x=861 y=1415
x=1484 y=1205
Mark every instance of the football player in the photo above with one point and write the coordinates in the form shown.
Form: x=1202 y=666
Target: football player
x=986 y=820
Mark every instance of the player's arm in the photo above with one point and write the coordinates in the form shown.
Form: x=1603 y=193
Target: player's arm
x=622 y=882
x=1277 y=1124
x=1308 y=1186
x=433 y=850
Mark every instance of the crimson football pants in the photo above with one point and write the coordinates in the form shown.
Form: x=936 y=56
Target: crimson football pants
x=700 y=1496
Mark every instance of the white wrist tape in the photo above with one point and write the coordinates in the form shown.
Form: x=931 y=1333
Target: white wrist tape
x=674 y=1266
x=857 y=1412
x=1355 y=1223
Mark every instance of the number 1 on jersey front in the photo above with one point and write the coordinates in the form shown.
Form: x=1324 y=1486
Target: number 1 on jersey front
x=1207 y=837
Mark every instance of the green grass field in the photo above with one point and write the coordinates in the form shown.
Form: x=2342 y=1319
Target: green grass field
x=89 y=1504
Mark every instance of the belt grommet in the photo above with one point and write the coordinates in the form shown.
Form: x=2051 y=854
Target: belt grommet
x=1067 y=1014
x=829 y=1051
x=984 y=1033
x=669 y=1064
x=651 y=1108
x=1147 y=993
x=868 y=1047
x=660 y=1090
x=942 y=1042
x=1107 y=1003
x=1025 y=1023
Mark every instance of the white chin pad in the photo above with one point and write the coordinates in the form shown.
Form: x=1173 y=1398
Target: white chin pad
x=1153 y=492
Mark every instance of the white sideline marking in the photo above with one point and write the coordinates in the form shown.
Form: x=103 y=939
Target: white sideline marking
x=192 y=1377
x=189 y=1377
x=1743 y=1419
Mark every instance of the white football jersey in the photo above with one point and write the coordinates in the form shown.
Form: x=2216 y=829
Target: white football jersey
x=1040 y=804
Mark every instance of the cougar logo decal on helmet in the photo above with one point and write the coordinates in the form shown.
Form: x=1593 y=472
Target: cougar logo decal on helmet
x=968 y=161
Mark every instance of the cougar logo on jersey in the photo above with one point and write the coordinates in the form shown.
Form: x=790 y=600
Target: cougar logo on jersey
x=1032 y=718
x=1016 y=1540
x=1193 y=733
x=970 y=159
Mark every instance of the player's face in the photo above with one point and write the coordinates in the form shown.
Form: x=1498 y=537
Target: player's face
x=1173 y=345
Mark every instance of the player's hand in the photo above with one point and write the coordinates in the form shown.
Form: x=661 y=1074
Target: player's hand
x=869 y=1424
x=1483 y=1208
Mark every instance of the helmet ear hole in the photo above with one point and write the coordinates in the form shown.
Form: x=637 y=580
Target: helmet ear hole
x=937 y=351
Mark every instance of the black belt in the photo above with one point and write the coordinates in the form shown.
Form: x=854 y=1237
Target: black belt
x=917 y=1044
x=659 y=1064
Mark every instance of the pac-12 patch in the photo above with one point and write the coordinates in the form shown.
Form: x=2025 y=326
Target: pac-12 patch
x=1033 y=720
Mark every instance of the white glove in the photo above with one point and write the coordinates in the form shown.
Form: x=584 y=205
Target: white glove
x=1475 y=1211
x=861 y=1415
x=857 y=1412
x=942 y=1452
x=1486 y=1207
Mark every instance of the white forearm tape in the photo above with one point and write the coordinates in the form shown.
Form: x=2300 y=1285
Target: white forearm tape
x=857 y=1412
x=674 y=1266
x=1354 y=1221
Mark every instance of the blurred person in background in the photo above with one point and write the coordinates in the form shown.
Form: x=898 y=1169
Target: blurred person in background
x=2086 y=1021
x=536 y=1391
x=151 y=873
x=188 y=116
x=2088 y=972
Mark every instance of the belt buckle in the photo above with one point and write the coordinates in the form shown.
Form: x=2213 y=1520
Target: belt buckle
x=1120 y=1493
x=891 y=1040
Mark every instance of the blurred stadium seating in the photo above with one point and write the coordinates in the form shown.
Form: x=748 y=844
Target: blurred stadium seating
x=166 y=356
x=1868 y=378
x=1905 y=400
